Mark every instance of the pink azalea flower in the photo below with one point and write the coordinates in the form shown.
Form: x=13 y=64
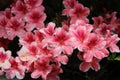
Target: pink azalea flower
x=62 y=42
x=75 y=10
x=95 y=47
x=4 y=59
x=36 y=59
x=49 y=30
x=3 y=23
x=79 y=23
x=97 y=21
x=48 y=33
x=41 y=68
x=62 y=59
x=110 y=18
x=27 y=39
x=28 y=54
x=39 y=36
x=53 y=75
x=15 y=27
x=44 y=50
x=79 y=11
x=8 y=13
x=85 y=66
x=33 y=3
x=35 y=19
x=19 y=9
x=80 y=32
x=112 y=41
x=102 y=29
x=80 y=36
x=16 y=69
x=15 y=24
x=69 y=4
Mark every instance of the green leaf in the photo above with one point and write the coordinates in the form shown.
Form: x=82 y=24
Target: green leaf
x=117 y=58
x=111 y=57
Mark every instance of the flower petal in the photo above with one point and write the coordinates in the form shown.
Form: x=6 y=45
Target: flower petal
x=63 y=59
x=95 y=66
x=68 y=50
x=6 y=64
x=84 y=66
x=114 y=48
x=88 y=56
x=36 y=74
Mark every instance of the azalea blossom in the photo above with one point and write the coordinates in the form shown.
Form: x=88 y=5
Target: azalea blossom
x=47 y=34
x=35 y=19
x=75 y=10
x=49 y=30
x=3 y=23
x=95 y=47
x=80 y=33
x=41 y=68
x=56 y=69
x=16 y=69
x=33 y=3
x=62 y=42
x=39 y=36
x=19 y=9
x=4 y=58
x=15 y=27
x=85 y=66
x=8 y=13
x=97 y=21
x=79 y=11
x=27 y=39
x=28 y=54
x=112 y=41
x=110 y=18
x=69 y=4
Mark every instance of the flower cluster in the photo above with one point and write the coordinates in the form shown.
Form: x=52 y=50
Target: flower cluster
x=45 y=47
